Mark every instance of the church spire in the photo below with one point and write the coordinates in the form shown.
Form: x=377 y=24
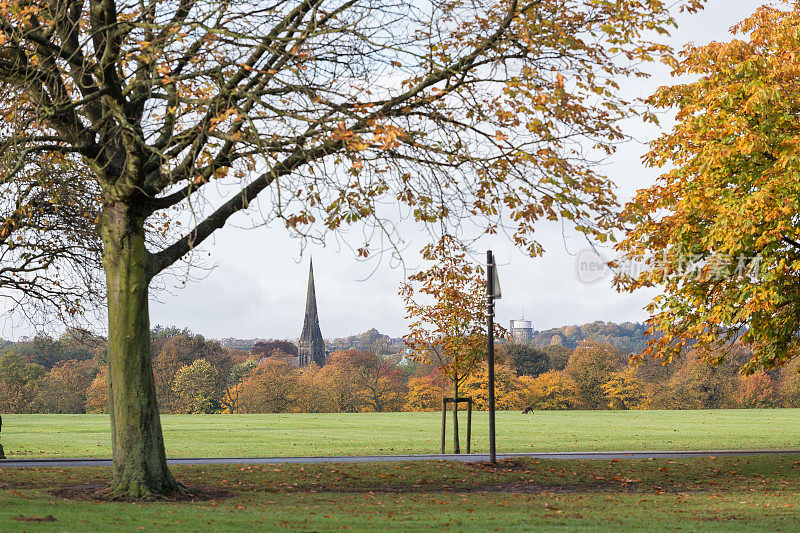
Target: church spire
x=311 y=297
x=312 y=346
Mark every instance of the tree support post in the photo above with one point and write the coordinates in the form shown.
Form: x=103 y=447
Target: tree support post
x=469 y=425
x=455 y=402
x=444 y=421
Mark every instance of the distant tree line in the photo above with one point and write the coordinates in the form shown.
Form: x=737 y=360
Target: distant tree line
x=371 y=339
x=629 y=337
x=197 y=375
x=602 y=376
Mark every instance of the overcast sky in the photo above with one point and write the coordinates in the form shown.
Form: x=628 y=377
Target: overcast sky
x=257 y=287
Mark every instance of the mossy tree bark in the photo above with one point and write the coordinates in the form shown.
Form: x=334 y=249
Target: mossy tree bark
x=140 y=464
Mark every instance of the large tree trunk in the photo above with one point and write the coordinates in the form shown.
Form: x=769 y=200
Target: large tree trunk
x=140 y=464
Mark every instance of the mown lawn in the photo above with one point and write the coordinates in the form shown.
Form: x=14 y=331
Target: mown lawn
x=400 y=433
x=709 y=494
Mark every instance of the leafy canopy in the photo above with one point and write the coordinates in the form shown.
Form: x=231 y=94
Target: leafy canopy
x=492 y=111
x=445 y=307
x=719 y=231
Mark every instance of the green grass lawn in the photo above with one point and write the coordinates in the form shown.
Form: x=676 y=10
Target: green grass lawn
x=709 y=494
x=399 y=433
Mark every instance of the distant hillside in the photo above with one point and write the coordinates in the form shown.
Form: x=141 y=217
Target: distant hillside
x=628 y=336
x=369 y=340
x=240 y=344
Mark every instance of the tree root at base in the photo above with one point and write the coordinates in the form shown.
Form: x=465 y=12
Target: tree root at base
x=138 y=490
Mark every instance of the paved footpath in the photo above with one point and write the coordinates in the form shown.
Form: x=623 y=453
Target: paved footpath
x=475 y=457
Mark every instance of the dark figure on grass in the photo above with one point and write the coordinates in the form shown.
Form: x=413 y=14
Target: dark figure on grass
x=2 y=456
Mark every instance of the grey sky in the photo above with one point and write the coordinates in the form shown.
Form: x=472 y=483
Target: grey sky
x=257 y=288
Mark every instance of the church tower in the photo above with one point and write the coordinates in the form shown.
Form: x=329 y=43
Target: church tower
x=312 y=347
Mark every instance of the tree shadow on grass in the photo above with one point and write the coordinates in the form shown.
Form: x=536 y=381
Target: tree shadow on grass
x=101 y=492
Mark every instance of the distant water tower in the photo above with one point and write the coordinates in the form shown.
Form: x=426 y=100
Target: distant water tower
x=521 y=331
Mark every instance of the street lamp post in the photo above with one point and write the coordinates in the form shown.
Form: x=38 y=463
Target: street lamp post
x=492 y=293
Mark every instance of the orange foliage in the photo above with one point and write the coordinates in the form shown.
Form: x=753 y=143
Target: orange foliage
x=758 y=391
x=625 y=391
x=315 y=390
x=271 y=387
x=446 y=309
x=337 y=378
x=63 y=389
x=373 y=383
x=425 y=393
x=552 y=390
x=97 y=394
x=507 y=388
x=718 y=231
